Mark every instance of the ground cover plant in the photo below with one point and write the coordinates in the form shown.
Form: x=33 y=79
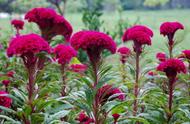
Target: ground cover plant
x=44 y=79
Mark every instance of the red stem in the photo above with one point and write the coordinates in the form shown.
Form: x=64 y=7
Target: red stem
x=63 y=92
x=136 y=87
x=171 y=88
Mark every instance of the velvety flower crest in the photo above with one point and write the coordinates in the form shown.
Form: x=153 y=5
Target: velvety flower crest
x=169 y=28
x=18 y=24
x=171 y=67
x=93 y=42
x=161 y=56
x=5 y=100
x=186 y=54
x=64 y=53
x=141 y=35
x=124 y=53
x=84 y=119
x=27 y=46
x=6 y=82
x=50 y=23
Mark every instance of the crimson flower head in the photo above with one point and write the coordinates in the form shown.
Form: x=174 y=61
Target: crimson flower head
x=50 y=23
x=186 y=54
x=6 y=82
x=124 y=52
x=64 y=53
x=141 y=35
x=10 y=73
x=151 y=73
x=84 y=119
x=116 y=117
x=78 y=68
x=27 y=46
x=18 y=24
x=5 y=101
x=171 y=67
x=93 y=43
x=161 y=56
x=106 y=92
x=169 y=28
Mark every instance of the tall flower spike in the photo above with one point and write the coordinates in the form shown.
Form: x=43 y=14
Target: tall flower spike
x=5 y=101
x=64 y=53
x=141 y=35
x=26 y=46
x=169 y=28
x=93 y=43
x=50 y=23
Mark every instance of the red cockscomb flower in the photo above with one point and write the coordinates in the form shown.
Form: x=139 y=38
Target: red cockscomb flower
x=84 y=119
x=5 y=101
x=105 y=92
x=161 y=56
x=6 y=82
x=171 y=67
x=152 y=73
x=10 y=74
x=116 y=117
x=50 y=23
x=64 y=53
x=141 y=35
x=18 y=24
x=169 y=28
x=26 y=46
x=124 y=52
x=78 y=67
x=93 y=42
x=186 y=54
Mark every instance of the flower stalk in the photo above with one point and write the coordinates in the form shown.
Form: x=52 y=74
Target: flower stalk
x=136 y=85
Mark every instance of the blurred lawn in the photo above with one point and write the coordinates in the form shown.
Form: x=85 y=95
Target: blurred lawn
x=153 y=19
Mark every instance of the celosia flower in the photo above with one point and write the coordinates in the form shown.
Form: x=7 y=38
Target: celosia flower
x=18 y=24
x=169 y=28
x=10 y=73
x=84 y=119
x=50 y=23
x=161 y=56
x=94 y=43
x=124 y=52
x=116 y=117
x=6 y=82
x=186 y=54
x=141 y=35
x=151 y=73
x=64 y=53
x=78 y=68
x=5 y=101
x=26 y=46
x=171 y=67
x=106 y=92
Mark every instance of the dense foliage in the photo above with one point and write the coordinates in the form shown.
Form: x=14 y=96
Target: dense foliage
x=43 y=81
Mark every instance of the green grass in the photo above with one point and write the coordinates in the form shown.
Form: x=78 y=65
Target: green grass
x=153 y=19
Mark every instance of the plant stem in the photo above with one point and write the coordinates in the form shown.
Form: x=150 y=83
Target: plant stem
x=171 y=88
x=31 y=76
x=63 y=91
x=135 y=104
